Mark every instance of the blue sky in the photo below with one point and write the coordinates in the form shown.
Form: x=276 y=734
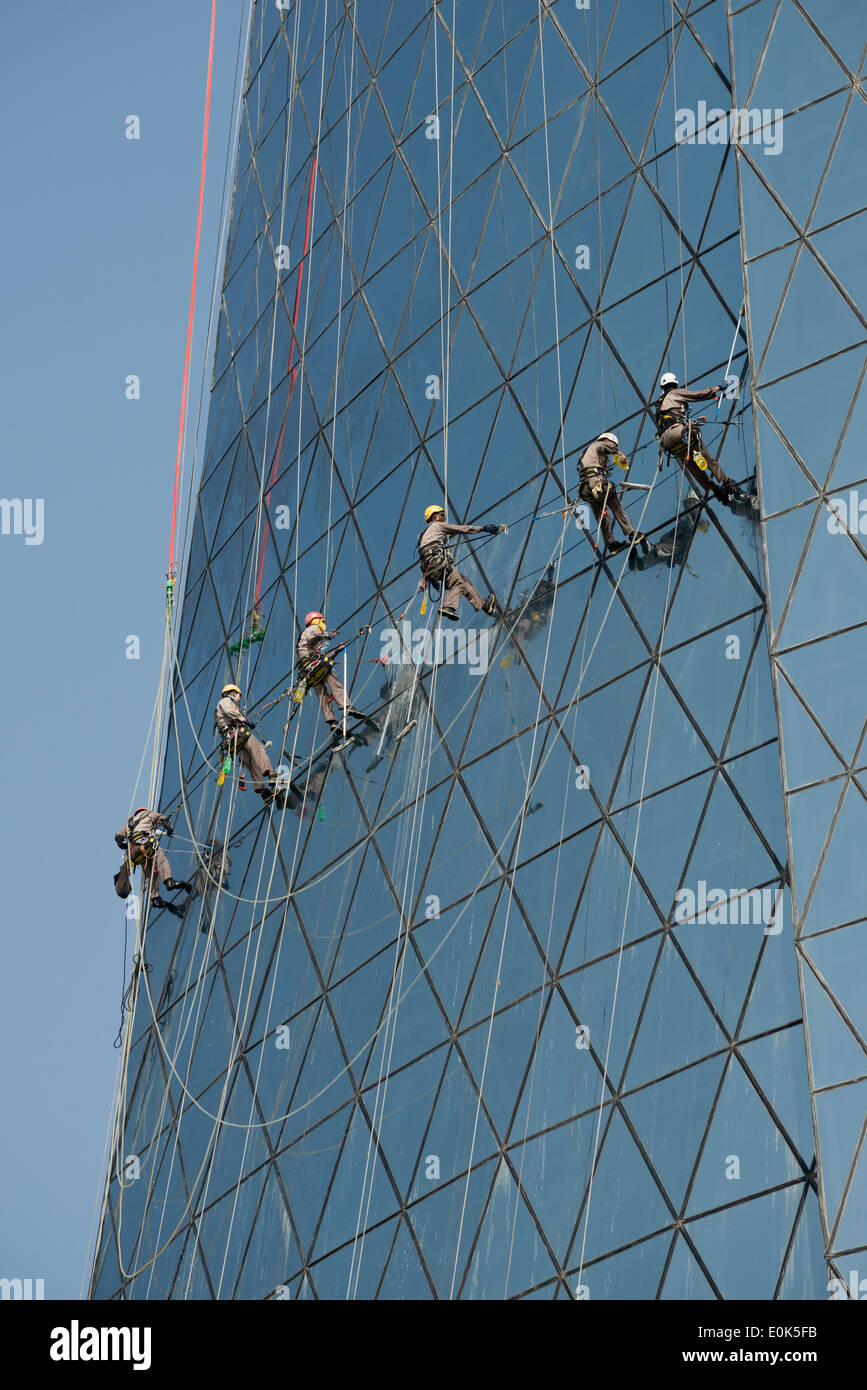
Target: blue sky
x=97 y=237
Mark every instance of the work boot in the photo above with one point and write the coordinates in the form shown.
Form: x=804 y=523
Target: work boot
x=490 y=606
x=336 y=736
x=452 y=613
x=176 y=885
x=614 y=547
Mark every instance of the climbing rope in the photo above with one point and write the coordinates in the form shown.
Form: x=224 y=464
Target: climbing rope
x=120 y=1084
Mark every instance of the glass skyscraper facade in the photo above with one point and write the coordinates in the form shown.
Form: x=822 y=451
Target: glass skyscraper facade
x=559 y=995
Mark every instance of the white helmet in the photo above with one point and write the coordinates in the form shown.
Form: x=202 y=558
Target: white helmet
x=668 y=379
x=606 y=434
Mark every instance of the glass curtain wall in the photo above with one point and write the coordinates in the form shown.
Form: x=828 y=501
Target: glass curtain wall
x=509 y=1006
x=804 y=215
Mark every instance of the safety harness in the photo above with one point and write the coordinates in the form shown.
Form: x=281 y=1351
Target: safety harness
x=666 y=418
x=316 y=669
x=435 y=560
x=141 y=848
x=691 y=447
x=587 y=474
x=233 y=740
x=597 y=478
x=313 y=670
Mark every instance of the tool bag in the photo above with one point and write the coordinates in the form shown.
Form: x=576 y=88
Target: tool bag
x=316 y=669
x=233 y=740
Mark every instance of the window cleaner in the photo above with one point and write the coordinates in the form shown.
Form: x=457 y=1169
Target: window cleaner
x=317 y=675
x=139 y=838
x=238 y=740
x=680 y=436
x=600 y=492
x=438 y=568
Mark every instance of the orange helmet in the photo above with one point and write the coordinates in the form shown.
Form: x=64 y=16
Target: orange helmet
x=313 y=617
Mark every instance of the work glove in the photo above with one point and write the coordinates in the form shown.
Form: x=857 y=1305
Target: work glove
x=120 y=841
x=170 y=830
x=491 y=530
x=250 y=723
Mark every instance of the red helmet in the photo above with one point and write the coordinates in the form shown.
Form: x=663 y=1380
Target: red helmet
x=311 y=618
x=139 y=808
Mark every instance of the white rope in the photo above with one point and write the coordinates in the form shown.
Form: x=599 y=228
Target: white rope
x=241 y=1030
x=657 y=664
x=218 y=883
x=674 y=43
x=402 y=941
x=401 y=944
x=339 y=306
x=216 y=900
x=515 y=853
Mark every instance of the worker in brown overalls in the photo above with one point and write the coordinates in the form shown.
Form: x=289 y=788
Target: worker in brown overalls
x=238 y=739
x=599 y=490
x=317 y=674
x=438 y=568
x=138 y=838
x=679 y=436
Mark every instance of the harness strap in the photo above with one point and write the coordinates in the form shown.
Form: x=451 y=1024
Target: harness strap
x=435 y=560
x=666 y=418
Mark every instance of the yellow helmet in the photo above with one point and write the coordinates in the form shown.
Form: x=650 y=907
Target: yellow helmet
x=230 y=690
x=432 y=511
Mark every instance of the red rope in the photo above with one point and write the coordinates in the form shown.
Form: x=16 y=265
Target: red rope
x=186 y=382
x=292 y=375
